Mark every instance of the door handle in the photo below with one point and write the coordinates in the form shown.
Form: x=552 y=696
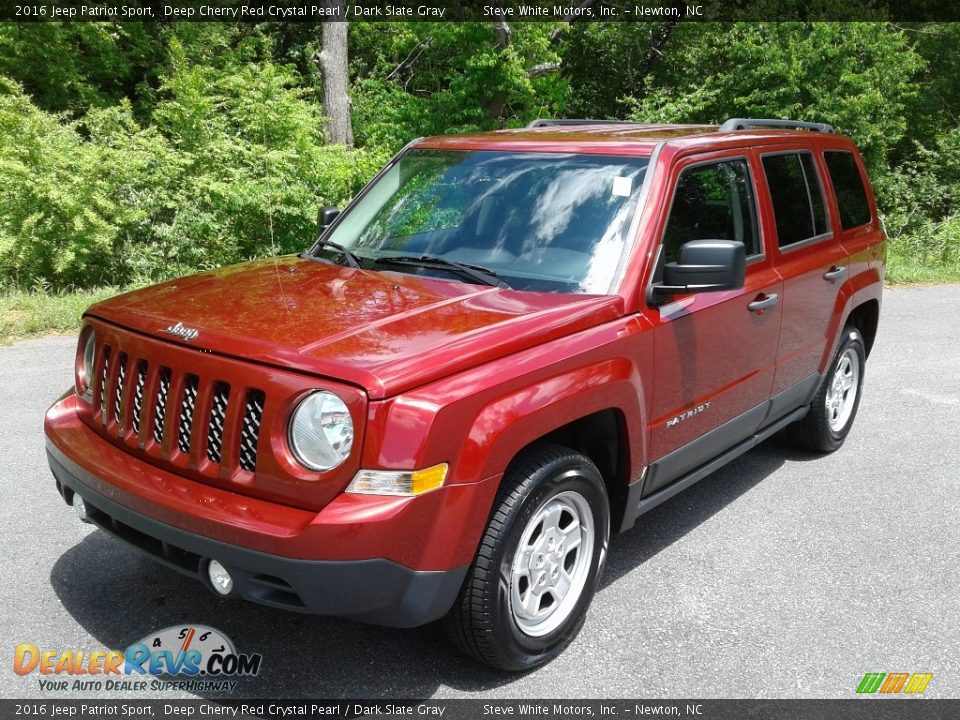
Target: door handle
x=763 y=302
x=834 y=273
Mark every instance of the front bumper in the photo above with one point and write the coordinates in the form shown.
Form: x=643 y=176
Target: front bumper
x=395 y=561
x=377 y=591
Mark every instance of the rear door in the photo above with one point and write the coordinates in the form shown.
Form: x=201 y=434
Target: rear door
x=715 y=352
x=813 y=266
x=857 y=226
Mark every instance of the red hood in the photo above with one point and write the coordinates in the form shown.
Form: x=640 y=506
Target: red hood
x=383 y=331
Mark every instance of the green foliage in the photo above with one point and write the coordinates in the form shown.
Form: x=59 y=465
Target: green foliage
x=921 y=204
x=417 y=79
x=234 y=167
x=135 y=152
x=857 y=76
x=385 y=115
x=58 y=191
x=74 y=66
x=624 y=54
x=256 y=168
x=936 y=105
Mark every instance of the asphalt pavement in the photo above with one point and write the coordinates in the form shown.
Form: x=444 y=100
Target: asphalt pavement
x=782 y=575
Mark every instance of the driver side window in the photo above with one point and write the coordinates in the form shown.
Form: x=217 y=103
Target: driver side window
x=712 y=202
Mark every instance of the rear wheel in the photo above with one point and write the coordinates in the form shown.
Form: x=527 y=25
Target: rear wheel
x=832 y=412
x=527 y=593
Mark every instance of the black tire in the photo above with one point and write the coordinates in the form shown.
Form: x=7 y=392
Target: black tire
x=482 y=623
x=814 y=431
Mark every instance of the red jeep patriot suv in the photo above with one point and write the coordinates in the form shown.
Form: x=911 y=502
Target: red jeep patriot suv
x=509 y=344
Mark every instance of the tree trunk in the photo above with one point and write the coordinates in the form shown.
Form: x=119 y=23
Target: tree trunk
x=332 y=61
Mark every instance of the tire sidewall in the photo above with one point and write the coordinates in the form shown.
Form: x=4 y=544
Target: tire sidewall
x=851 y=339
x=526 y=650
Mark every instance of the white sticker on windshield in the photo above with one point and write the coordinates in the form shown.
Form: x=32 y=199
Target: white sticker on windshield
x=622 y=186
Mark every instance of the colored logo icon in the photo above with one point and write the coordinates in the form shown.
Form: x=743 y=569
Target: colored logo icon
x=890 y=683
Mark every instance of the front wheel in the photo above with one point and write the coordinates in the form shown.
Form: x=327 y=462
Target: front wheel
x=527 y=593
x=831 y=414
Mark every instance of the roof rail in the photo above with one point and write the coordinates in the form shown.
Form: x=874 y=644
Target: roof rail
x=549 y=122
x=750 y=123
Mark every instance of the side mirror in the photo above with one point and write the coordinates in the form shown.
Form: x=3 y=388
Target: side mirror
x=705 y=266
x=325 y=218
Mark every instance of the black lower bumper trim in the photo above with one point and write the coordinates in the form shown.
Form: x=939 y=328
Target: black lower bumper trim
x=377 y=591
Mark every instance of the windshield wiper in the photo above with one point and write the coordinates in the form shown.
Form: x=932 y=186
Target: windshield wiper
x=477 y=273
x=352 y=259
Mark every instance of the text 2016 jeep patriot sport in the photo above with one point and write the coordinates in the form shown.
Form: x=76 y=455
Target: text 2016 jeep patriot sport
x=508 y=345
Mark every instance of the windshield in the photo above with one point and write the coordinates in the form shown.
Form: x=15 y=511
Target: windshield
x=536 y=221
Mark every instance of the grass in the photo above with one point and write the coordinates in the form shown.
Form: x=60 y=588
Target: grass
x=903 y=271
x=928 y=254
x=26 y=313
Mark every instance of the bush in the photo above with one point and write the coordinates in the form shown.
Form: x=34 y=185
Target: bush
x=923 y=189
x=62 y=212
x=920 y=203
x=857 y=76
x=417 y=79
x=234 y=167
x=255 y=167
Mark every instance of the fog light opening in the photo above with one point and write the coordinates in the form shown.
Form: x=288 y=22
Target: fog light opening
x=219 y=578
x=80 y=507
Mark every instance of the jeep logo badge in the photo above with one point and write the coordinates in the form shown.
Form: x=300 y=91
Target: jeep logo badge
x=181 y=331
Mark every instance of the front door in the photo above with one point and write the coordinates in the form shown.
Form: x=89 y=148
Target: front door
x=714 y=352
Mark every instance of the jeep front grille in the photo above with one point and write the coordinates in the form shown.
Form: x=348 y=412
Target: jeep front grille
x=179 y=411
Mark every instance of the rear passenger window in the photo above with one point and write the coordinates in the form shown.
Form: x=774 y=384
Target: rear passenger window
x=712 y=202
x=797 y=197
x=848 y=188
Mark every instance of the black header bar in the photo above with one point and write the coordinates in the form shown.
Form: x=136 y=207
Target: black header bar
x=254 y=11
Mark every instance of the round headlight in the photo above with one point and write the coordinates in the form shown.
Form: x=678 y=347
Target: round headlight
x=85 y=363
x=321 y=431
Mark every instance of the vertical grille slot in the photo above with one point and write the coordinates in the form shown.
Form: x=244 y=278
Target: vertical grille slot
x=187 y=407
x=104 y=390
x=218 y=416
x=118 y=390
x=250 y=430
x=163 y=389
x=138 y=396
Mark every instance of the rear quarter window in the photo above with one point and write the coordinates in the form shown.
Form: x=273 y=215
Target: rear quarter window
x=848 y=188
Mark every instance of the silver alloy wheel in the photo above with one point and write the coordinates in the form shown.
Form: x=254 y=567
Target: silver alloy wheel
x=842 y=393
x=552 y=563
